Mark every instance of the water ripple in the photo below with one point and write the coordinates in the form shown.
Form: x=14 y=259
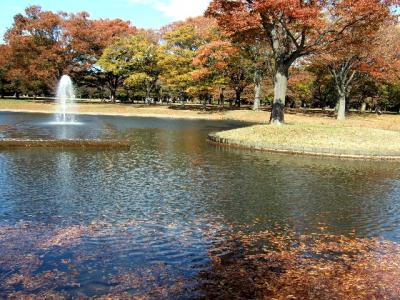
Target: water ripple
x=149 y=216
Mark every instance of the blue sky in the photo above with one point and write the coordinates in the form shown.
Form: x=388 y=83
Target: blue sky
x=142 y=13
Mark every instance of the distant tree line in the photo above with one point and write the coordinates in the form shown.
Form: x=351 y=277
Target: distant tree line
x=341 y=54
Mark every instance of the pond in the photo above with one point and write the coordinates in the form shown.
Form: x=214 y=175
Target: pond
x=92 y=223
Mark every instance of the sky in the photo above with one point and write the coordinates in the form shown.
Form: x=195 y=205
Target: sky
x=142 y=13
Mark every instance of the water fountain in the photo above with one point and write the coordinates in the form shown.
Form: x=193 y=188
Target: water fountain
x=65 y=97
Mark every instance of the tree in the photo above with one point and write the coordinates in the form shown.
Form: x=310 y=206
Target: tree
x=384 y=58
x=181 y=41
x=383 y=67
x=210 y=62
x=45 y=45
x=251 y=59
x=131 y=60
x=294 y=29
x=300 y=90
x=38 y=52
x=115 y=65
x=323 y=86
x=4 y=67
x=88 y=39
x=358 y=70
x=261 y=58
x=349 y=56
x=259 y=53
x=144 y=69
x=225 y=63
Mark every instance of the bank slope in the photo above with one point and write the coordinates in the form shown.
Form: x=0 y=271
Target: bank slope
x=323 y=140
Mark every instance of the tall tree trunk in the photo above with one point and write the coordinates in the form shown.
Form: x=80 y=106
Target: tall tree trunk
x=148 y=99
x=113 y=83
x=257 y=90
x=336 y=107
x=341 y=114
x=204 y=101
x=343 y=77
x=221 y=99
x=363 y=107
x=113 y=92
x=2 y=91
x=280 y=90
x=343 y=91
x=238 y=93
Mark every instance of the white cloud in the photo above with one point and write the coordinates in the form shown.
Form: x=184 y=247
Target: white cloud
x=177 y=9
x=182 y=9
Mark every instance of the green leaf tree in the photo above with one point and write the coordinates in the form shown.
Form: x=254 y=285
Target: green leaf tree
x=132 y=61
x=180 y=44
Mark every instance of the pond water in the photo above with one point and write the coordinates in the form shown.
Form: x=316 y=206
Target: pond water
x=91 y=223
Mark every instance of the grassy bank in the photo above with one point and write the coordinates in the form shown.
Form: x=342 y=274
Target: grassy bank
x=316 y=139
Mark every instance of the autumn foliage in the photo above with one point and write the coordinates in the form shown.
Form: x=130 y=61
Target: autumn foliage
x=296 y=29
x=42 y=46
x=243 y=51
x=268 y=265
x=276 y=264
x=277 y=53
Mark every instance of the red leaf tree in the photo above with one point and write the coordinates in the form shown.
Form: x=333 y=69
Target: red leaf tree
x=223 y=63
x=295 y=29
x=44 y=45
x=360 y=50
x=37 y=52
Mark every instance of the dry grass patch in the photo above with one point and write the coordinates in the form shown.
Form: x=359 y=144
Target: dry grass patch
x=317 y=138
